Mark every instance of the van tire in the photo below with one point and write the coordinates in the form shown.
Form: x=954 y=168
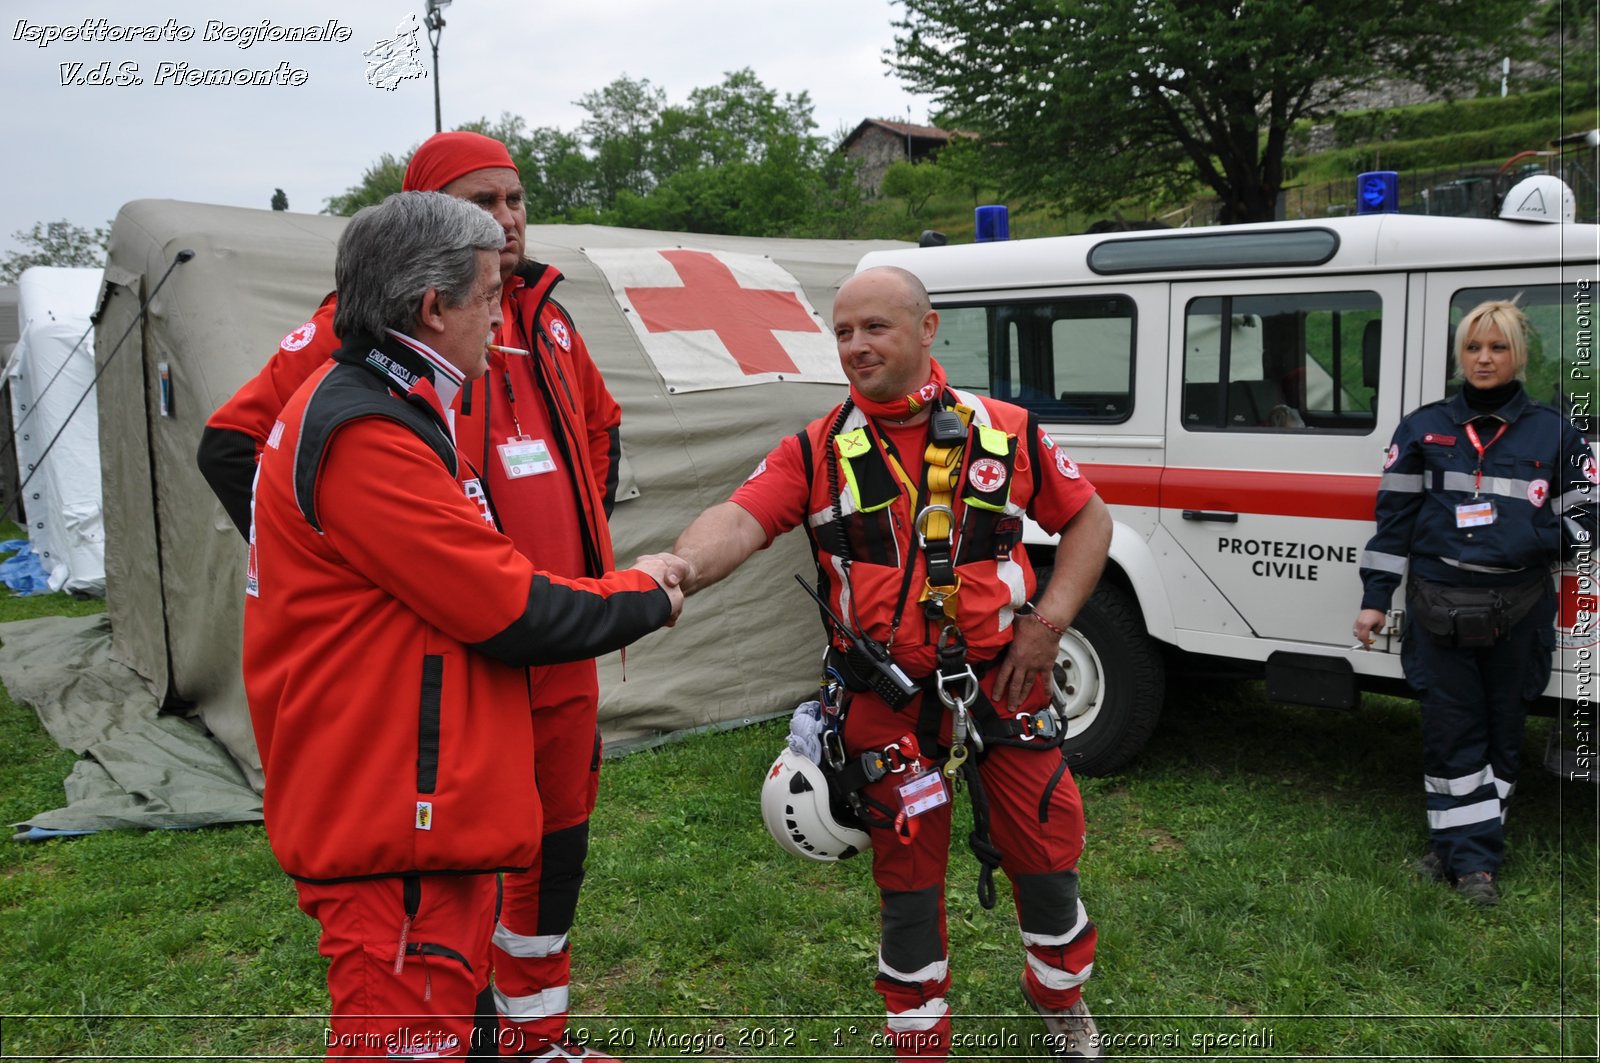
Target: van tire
x=1108 y=684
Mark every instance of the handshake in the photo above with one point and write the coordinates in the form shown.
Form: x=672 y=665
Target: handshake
x=671 y=574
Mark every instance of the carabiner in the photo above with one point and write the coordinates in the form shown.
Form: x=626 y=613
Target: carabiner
x=921 y=523
x=833 y=748
x=969 y=693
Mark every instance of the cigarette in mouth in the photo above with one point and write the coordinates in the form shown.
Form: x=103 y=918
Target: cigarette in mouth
x=505 y=350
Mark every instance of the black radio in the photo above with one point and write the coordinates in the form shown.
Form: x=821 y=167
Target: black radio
x=945 y=427
x=869 y=662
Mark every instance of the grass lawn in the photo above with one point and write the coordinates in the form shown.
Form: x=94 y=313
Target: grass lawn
x=1250 y=877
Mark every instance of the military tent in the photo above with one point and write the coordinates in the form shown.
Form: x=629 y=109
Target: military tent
x=715 y=347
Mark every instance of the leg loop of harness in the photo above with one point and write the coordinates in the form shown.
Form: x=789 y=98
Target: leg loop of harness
x=978 y=840
x=955 y=688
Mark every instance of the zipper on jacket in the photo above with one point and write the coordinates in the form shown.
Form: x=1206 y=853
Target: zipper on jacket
x=428 y=723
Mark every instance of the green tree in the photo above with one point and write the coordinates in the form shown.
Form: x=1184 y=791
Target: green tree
x=1100 y=100
x=617 y=133
x=735 y=158
x=740 y=120
x=1572 y=29
x=280 y=199
x=913 y=182
x=968 y=168
x=840 y=210
x=558 y=180
x=56 y=243
x=381 y=180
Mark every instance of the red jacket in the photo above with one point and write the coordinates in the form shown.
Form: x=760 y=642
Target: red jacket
x=387 y=635
x=559 y=375
x=1025 y=472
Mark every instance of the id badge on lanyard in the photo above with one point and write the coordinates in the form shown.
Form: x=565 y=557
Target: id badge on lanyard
x=1479 y=511
x=923 y=792
x=522 y=456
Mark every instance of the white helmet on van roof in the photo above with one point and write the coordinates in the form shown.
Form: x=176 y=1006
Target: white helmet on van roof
x=1542 y=197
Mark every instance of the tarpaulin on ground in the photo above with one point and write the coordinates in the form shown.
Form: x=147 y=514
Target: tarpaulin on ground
x=140 y=768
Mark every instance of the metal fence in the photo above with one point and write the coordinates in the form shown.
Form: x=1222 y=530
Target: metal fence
x=1459 y=192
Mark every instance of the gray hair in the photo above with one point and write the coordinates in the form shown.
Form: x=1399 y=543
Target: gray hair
x=392 y=253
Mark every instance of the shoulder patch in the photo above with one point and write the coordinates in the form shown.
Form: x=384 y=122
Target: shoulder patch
x=301 y=336
x=1065 y=465
x=559 y=333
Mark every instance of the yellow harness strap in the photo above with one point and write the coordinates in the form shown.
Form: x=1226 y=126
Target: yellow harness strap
x=934 y=521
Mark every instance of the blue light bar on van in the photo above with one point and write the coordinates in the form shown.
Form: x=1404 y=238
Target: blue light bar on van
x=1378 y=192
x=994 y=223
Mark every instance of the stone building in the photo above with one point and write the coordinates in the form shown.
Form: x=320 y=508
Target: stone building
x=877 y=143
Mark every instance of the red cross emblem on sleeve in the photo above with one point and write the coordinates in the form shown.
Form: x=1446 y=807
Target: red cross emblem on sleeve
x=301 y=336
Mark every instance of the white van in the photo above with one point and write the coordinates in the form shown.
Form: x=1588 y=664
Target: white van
x=1231 y=392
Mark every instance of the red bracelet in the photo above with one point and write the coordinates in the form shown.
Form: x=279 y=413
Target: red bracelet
x=1034 y=613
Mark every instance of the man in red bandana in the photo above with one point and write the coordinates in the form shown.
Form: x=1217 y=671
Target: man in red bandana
x=538 y=435
x=867 y=482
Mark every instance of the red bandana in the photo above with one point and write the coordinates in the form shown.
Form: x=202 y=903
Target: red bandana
x=907 y=405
x=445 y=156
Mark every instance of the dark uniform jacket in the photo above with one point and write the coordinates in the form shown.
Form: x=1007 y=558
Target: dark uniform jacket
x=1539 y=475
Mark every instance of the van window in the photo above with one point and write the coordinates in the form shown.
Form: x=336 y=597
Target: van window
x=1067 y=360
x=1300 y=362
x=1214 y=251
x=1561 y=359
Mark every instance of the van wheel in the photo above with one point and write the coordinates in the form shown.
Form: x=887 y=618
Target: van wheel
x=1108 y=684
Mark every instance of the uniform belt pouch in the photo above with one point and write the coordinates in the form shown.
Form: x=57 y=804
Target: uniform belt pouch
x=1472 y=617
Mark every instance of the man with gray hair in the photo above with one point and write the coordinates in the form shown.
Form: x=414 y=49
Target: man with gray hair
x=388 y=628
x=540 y=434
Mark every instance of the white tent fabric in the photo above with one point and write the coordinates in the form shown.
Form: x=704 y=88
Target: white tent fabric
x=745 y=650
x=53 y=405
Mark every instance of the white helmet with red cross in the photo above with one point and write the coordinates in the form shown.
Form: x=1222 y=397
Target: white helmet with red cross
x=802 y=815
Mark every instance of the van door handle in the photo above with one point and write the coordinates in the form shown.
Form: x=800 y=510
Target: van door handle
x=1217 y=518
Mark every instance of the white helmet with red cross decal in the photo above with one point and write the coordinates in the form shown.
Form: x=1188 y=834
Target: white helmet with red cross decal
x=803 y=817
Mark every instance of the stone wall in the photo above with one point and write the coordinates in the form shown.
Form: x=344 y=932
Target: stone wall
x=876 y=150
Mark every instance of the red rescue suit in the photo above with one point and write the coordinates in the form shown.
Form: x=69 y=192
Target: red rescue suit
x=856 y=502
x=539 y=433
x=376 y=587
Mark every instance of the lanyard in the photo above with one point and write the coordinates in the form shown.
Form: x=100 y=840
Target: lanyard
x=511 y=400
x=1482 y=447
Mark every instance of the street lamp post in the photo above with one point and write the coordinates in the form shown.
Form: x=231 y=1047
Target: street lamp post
x=434 y=21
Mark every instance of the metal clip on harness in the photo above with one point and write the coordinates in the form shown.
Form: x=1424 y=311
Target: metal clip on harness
x=957 y=689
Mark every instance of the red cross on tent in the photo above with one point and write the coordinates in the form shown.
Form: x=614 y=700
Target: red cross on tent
x=711 y=318
x=711 y=299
